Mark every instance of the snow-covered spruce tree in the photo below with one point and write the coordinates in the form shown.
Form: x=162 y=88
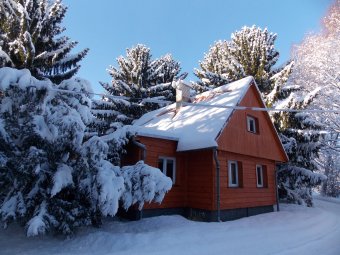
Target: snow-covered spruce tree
x=137 y=77
x=301 y=136
x=30 y=37
x=43 y=132
x=251 y=51
x=50 y=178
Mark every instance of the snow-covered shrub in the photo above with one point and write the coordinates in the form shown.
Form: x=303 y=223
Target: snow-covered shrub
x=51 y=179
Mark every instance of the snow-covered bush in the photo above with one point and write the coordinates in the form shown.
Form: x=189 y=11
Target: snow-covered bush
x=51 y=179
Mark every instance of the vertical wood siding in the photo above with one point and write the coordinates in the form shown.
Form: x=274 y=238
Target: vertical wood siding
x=200 y=170
x=249 y=195
x=156 y=148
x=235 y=137
x=194 y=186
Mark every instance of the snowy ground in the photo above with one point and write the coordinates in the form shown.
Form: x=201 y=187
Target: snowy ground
x=294 y=230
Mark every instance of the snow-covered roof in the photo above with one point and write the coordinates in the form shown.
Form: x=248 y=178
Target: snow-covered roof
x=192 y=126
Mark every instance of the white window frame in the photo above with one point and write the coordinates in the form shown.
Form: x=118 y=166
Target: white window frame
x=249 y=119
x=261 y=175
x=230 y=184
x=165 y=159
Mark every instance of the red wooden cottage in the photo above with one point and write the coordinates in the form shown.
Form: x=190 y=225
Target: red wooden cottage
x=221 y=160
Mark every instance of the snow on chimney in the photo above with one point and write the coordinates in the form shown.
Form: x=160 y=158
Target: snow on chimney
x=182 y=93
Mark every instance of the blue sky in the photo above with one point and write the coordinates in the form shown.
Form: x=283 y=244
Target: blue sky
x=184 y=28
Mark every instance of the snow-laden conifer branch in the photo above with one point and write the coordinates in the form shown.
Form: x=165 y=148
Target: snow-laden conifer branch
x=30 y=38
x=52 y=179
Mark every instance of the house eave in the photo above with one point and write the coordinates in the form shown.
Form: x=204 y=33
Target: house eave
x=198 y=149
x=164 y=137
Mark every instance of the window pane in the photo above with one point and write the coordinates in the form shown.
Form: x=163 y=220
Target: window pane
x=251 y=125
x=160 y=164
x=233 y=173
x=170 y=168
x=259 y=176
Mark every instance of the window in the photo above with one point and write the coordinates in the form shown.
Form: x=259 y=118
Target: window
x=233 y=174
x=259 y=176
x=252 y=124
x=168 y=167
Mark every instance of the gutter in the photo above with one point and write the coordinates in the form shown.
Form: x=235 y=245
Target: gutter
x=218 y=199
x=141 y=146
x=277 y=190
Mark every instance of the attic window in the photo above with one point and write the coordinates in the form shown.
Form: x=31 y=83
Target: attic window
x=168 y=167
x=252 y=124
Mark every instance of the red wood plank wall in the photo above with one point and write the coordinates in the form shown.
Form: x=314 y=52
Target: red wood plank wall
x=200 y=179
x=235 y=137
x=157 y=148
x=249 y=195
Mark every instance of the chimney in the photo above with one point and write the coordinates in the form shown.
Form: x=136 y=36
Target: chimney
x=182 y=93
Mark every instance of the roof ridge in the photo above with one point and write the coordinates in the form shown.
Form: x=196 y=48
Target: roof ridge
x=218 y=90
x=194 y=127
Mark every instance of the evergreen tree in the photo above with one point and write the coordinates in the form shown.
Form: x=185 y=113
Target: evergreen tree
x=301 y=137
x=251 y=51
x=137 y=77
x=50 y=178
x=30 y=37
